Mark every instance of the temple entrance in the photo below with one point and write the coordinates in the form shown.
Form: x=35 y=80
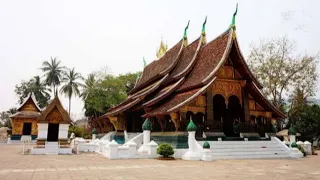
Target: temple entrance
x=226 y=117
x=219 y=109
x=260 y=125
x=168 y=124
x=26 y=129
x=198 y=119
x=53 y=132
x=233 y=117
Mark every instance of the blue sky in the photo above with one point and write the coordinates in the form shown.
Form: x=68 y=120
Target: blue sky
x=90 y=35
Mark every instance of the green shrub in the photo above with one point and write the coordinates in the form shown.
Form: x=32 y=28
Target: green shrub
x=294 y=144
x=302 y=150
x=79 y=132
x=165 y=150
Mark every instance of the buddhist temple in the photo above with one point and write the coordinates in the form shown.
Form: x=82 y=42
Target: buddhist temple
x=24 y=122
x=207 y=81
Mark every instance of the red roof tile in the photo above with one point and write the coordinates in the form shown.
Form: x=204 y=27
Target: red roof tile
x=208 y=58
x=159 y=67
x=173 y=103
x=134 y=98
x=163 y=93
x=170 y=103
x=186 y=59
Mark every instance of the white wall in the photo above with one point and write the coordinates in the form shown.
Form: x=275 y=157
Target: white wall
x=42 y=130
x=63 y=131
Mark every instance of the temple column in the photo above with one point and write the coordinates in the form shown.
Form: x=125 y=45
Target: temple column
x=209 y=110
x=175 y=119
x=160 y=120
x=245 y=96
x=183 y=121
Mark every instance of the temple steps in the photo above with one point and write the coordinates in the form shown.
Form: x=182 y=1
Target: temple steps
x=218 y=150
x=247 y=149
x=255 y=156
x=245 y=153
x=52 y=148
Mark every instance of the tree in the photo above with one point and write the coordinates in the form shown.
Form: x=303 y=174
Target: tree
x=129 y=80
x=297 y=103
x=108 y=92
x=12 y=111
x=35 y=86
x=53 y=72
x=72 y=84
x=5 y=117
x=89 y=84
x=309 y=123
x=281 y=71
x=105 y=92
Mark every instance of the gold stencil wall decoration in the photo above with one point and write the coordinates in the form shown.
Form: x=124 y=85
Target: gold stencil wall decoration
x=54 y=116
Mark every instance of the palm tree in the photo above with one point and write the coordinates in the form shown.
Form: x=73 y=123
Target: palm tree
x=40 y=90
x=89 y=84
x=53 y=72
x=71 y=86
x=38 y=86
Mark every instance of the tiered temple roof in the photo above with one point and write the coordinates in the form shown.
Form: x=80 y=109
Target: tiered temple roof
x=28 y=109
x=54 y=111
x=185 y=72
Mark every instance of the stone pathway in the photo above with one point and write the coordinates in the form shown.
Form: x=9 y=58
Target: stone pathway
x=14 y=165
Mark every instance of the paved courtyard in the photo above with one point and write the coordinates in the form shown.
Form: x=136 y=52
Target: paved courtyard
x=14 y=165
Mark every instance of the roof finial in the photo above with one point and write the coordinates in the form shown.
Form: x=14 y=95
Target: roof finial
x=144 y=62
x=203 y=32
x=185 y=31
x=233 y=23
x=162 y=49
x=139 y=73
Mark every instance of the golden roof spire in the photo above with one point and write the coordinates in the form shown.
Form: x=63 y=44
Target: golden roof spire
x=162 y=49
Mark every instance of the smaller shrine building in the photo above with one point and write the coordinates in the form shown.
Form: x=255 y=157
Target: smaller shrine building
x=24 y=122
x=53 y=123
x=48 y=124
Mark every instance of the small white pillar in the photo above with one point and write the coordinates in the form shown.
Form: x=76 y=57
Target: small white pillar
x=191 y=139
x=126 y=138
x=146 y=137
x=152 y=150
x=146 y=127
x=113 y=150
x=292 y=138
x=300 y=143
x=195 y=150
x=307 y=147
x=206 y=153
x=292 y=134
x=94 y=132
x=9 y=140
x=81 y=143
x=132 y=149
